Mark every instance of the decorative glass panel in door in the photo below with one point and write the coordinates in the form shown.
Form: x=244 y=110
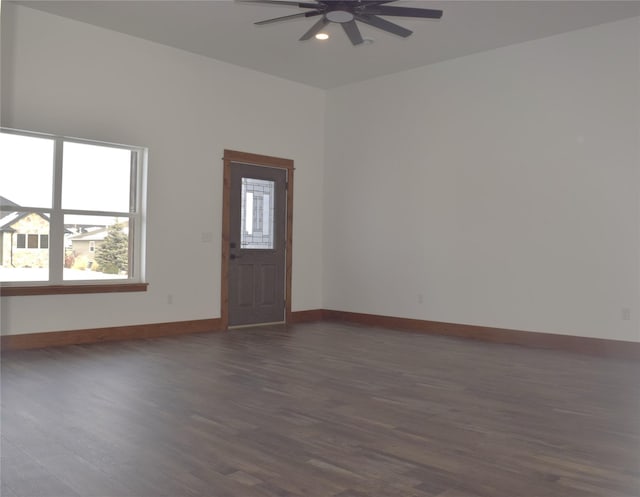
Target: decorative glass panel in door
x=256 y=223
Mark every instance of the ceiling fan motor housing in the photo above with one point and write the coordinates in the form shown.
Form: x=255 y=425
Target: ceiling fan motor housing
x=339 y=12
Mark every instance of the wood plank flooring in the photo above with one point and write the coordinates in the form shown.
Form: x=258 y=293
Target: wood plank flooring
x=318 y=410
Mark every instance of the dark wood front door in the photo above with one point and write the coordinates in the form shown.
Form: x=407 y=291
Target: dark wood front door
x=257 y=243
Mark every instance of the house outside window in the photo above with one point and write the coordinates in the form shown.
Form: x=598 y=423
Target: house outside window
x=48 y=211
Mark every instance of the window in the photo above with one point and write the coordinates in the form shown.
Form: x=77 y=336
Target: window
x=32 y=241
x=70 y=229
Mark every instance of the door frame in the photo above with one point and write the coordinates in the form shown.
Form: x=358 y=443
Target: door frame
x=231 y=156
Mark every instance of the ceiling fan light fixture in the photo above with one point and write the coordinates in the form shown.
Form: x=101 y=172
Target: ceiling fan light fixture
x=322 y=36
x=340 y=16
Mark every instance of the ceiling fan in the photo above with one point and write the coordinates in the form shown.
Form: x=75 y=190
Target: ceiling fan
x=347 y=12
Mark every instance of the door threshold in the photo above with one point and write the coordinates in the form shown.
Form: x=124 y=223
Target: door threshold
x=254 y=325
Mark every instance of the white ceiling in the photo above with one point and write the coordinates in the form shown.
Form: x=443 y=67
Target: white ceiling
x=224 y=30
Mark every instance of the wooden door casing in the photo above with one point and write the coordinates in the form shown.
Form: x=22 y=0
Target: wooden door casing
x=232 y=156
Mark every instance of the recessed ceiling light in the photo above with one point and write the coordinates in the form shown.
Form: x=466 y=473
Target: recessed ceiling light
x=322 y=36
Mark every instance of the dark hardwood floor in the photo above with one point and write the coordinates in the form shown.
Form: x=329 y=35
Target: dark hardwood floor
x=318 y=410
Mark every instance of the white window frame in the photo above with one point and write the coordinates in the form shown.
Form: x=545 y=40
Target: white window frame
x=136 y=216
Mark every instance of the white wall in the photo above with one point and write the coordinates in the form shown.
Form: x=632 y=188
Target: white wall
x=65 y=77
x=502 y=187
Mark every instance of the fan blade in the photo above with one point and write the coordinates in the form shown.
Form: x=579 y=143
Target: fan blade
x=380 y=23
x=302 y=5
x=385 y=10
x=315 y=29
x=284 y=18
x=351 y=28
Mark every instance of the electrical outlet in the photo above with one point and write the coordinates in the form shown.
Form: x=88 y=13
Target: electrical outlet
x=169 y=299
x=420 y=298
x=626 y=314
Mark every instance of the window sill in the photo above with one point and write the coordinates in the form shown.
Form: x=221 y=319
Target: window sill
x=14 y=291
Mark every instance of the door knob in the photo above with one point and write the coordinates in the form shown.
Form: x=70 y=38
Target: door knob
x=234 y=256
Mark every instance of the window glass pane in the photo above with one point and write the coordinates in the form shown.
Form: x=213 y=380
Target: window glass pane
x=96 y=248
x=22 y=257
x=26 y=169
x=44 y=241
x=96 y=178
x=256 y=218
